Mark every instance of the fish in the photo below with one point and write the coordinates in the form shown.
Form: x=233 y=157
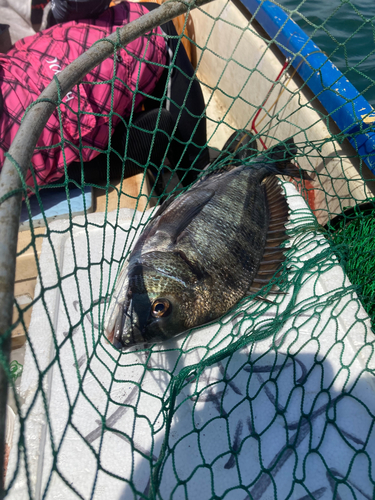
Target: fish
x=203 y=251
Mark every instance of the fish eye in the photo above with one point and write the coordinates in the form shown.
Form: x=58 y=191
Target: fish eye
x=160 y=308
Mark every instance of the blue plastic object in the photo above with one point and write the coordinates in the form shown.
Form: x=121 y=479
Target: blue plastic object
x=340 y=98
x=55 y=205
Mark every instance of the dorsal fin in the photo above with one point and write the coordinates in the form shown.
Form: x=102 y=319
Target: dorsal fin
x=273 y=255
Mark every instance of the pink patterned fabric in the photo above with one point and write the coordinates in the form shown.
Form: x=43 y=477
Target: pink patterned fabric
x=30 y=66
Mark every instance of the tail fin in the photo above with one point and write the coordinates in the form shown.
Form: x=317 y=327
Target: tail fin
x=278 y=160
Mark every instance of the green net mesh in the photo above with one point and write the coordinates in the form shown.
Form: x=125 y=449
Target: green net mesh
x=275 y=399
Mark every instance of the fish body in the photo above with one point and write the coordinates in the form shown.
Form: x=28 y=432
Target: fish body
x=203 y=251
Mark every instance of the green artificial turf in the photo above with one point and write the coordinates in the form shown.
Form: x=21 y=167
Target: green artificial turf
x=356 y=238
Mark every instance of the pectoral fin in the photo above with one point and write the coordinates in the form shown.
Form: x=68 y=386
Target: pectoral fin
x=186 y=208
x=163 y=207
x=173 y=221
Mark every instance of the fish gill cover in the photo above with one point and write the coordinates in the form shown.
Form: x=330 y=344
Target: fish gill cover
x=275 y=399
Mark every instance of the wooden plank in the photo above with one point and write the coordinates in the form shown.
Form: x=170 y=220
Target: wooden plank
x=24 y=295
x=26 y=263
x=26 y=276
x=125 y=195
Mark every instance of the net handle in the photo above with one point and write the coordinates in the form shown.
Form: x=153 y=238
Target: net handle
x=21 y=152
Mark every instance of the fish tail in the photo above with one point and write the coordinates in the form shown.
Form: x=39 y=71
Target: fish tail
x=277 y=160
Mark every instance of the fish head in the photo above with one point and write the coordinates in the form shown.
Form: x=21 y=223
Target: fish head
x=154 y=302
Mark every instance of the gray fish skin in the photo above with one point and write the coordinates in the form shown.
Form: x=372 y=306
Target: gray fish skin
x=199 y=254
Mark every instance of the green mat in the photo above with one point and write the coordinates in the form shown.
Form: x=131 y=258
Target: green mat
x=274 y=400
x=354 y=236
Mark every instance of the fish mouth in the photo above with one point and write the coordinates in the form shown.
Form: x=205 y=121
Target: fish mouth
x=124 y=330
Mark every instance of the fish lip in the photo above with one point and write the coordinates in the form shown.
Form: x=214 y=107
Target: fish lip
x=114 y=333
x=116 y=325
x=110 y=335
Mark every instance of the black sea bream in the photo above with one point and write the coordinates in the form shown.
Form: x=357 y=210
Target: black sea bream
x=203 y=251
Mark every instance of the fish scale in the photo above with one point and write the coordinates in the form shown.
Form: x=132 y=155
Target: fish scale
x=203 y=251
x=236 y=248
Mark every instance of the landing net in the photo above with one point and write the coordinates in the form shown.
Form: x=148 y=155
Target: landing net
x=275 y=399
